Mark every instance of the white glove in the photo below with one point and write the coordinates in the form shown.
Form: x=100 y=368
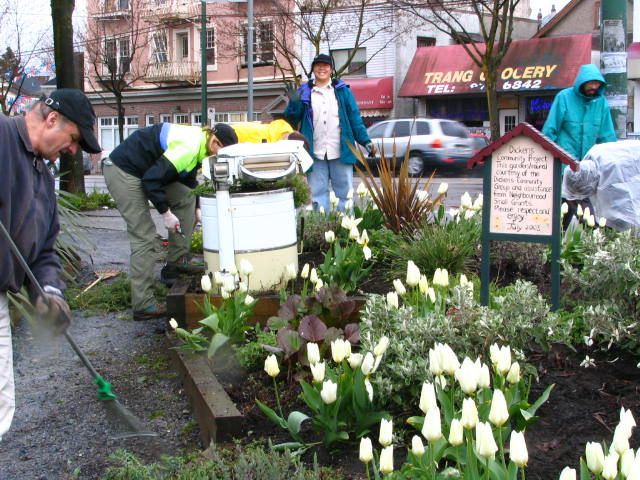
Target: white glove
x=198 y=215
x=171 y=222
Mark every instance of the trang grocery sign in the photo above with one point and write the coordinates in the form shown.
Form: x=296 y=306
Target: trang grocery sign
x=532 y=77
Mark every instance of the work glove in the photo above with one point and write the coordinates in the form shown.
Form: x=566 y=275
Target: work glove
x=291 y=91
x=371 y=149
x=53 y=308
x=171 y=222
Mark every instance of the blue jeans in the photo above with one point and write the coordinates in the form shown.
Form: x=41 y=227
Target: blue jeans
x=339 y=174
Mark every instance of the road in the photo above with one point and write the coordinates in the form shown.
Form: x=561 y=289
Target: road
x=457 y=186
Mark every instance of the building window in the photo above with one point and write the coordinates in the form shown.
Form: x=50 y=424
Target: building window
x=165 y=118
x=425 y=42
x=125 y=55
x=159 y=47
x=150 y=120
x=231 y=117
x=262 y=43
x=115 y=5
x=596 y=15
x=108 y=131
x=182 y=118
x=116 y=56
x=182 y=46
x=211 y=45
x=358 y=64
x=196 y=119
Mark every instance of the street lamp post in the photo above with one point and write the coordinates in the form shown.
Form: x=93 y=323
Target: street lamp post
x=203 y=62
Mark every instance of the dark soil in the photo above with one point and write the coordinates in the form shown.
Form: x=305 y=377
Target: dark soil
x=584 y=405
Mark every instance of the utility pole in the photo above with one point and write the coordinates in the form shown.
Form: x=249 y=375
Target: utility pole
x=203 y=62
x=613 y=60
x=250 y=37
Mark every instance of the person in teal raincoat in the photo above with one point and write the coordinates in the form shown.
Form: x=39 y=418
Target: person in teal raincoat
x=580 y=118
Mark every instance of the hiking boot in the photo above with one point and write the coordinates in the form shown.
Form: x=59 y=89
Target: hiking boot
x=151 y=312
x=185 y=265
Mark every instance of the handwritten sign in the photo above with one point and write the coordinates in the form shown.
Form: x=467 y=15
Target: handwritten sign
x=521 y=188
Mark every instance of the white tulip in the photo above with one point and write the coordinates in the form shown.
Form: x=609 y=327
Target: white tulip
x=319 y=284
x=485 y=377
x=313 y=276
x=442 y=189
x=381 y=346
x=305 y=271
x=329 y=236
x=366 y=252
x=514 y=373
x=242 y=287
x=386 y=459
x=465 y=201
x=354 y=233
x=366 y=450
x=564 y=209
x=367 y=364
x=248 y=300
x=620 y=441
x=456 y=433
x=579 y=211
x=417 y=447
x=432 y=427
x=290 y=272
x=217 y=278
x=173 y=324
x=468 y=376
x=499 y=413
x=567 y=473
x=355 y=360
x=518 y=449
x=626 y=463
x=449 y=359
x=364 y=238
x=595 y=457
x=626 y=418
x=485 y=443
x=399 y=287
x=413 y=274
x=610 y=468
x=329 y=392
x=602 y=222
x=469 y=418
x=392 y=299
x=435 y=366
x=340 y=349
x=369 y=388
x=271 y=366
x=386 y=432
x=431 y=294
x=245 y=267
x=317 y=371
x=333 y=200
x=423 y=284
x=205 y=283
x=313 y=353
x=362 y=190
x=428 y=397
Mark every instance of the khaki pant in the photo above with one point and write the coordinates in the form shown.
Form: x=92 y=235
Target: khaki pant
x=133 y=205
x=7 y=388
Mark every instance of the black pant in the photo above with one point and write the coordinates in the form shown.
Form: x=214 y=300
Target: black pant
x=573 y=208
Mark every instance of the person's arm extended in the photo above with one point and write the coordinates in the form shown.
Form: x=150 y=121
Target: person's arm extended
x=554 y=120
x=162 y=173
x=295 y=109
x=608 y=131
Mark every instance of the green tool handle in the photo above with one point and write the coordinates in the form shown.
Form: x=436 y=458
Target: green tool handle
x=98 y=379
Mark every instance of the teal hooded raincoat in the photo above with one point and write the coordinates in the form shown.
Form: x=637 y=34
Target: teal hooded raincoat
x=576 y=121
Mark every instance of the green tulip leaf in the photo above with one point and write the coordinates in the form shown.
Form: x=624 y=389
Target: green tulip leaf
x=512 y=471
x=217 y=341
x=294 y=423
x=272 y=415
x=416 y=422
x=212 y=322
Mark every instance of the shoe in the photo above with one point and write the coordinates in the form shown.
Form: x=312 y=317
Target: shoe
x=151 y=312
x=169 y=274
x=185 y=265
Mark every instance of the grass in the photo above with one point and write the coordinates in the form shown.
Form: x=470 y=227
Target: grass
x=91 y=201
x=105 y=297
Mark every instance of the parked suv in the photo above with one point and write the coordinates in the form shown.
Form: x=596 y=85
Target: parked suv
x=432 y=143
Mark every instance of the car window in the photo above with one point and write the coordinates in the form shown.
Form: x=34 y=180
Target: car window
x=401 y=129
x=377 y=131
x=423 y=128
x=454 y=129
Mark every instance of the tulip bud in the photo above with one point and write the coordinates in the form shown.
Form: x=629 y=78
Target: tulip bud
x=449 y=359
x=602 y=222
x=626 y=463
x=381 y=346
x=564 y=209
x=317 y=371
x=173 y=324
x=435 y=367
x=364 y=238
x=333 y=200
x=329 y=392
x=518 y=449
x=423 y=284
x=595 y=457
x=484 y=381
x=499 y=413
x=205 y=283
x=413 y=274
x=610 y=468
x=354 y=233
x=367 y=364
x=362 y=190
x=339 y=350
x=319 y=284
x=431 y=293
x=366 y=252
x=417 y=447
x=620 y=441
x=485 y=443
x=626 y=418
x=386 y=460
x=399 y=287
x=579 y=211
x=313 y=353
x=242 y=287
x=442 y=189
x=248 y=300
x=567 y=474
x=217 y=278
x=369 y=388
x=468 y=376
x=392 y=299
x=514 y=373
x=428 y=397
x=355 y=360
x=469 y=418
x=271 y=366
x=456 y=433
x=245 y=267
x=313 y=276
x=386 y=432
x=321 y=210
x=329 y=236
x=290 y=272
x=432 y=427
x=465 y=200
x=305 y=271
x=366 y=450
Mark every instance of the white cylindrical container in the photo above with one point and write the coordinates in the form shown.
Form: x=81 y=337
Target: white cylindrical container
x=264 y=233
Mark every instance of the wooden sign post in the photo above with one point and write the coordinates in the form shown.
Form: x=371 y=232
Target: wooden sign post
x=522 y=191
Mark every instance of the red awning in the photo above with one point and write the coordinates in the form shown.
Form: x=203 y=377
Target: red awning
x=372 y=93
x=549 y=63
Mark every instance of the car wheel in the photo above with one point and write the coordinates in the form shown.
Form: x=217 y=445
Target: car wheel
x=416 y=165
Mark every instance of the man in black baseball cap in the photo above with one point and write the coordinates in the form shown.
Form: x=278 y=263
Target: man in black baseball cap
x=75 y=106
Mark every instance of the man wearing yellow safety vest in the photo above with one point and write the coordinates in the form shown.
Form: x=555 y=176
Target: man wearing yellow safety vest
x=159 y=164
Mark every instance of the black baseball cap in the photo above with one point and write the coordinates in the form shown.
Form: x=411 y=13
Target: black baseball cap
x=225 y=134
x=75 y=106
x=322 y=58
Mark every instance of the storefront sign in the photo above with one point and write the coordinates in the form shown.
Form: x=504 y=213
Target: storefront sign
x=521 y=189
x=529 y=65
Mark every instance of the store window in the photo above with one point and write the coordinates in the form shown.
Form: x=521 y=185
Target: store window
x=165 y=118
x=537 y=110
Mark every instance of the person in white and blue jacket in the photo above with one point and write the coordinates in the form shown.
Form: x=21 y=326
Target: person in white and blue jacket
x=326 y=113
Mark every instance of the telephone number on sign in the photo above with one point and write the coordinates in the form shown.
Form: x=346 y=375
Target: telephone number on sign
x=519 y=84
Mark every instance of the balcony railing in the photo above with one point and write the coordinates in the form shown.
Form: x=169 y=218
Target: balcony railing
x=182 y=71
x=112 y=13
x=170 y=10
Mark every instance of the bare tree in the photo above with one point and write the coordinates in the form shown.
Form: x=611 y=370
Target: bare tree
x=495 y=22
x=115 y=41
